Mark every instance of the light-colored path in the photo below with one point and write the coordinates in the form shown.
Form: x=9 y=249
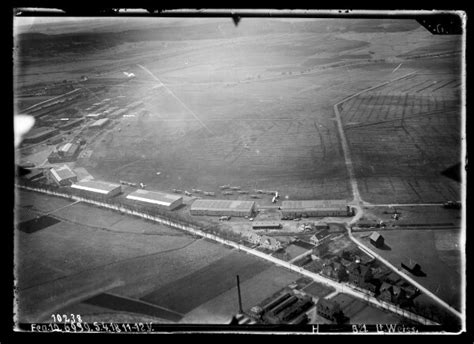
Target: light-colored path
x=358 y=203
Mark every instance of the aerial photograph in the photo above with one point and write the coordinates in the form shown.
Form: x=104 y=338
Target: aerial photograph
x=250 y=173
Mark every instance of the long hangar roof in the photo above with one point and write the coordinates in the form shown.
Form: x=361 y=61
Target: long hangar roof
x=96 y=186
x=206 y=204
x=314 y=204
x=154 y=197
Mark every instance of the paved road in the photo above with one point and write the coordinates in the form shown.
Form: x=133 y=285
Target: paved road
x=406 y=277
x=360 y=211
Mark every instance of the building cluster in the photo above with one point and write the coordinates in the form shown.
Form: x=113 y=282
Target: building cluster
x=361 y=272
x=284 y=308
x=263 y=241
x=54 y=116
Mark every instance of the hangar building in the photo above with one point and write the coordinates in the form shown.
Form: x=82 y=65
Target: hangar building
x=160 y=199
x=62 y=175
x=222 y=207
x=315 y=208
x=98 y=188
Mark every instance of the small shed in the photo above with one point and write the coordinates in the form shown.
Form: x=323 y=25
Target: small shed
x=376 y=239
x=411 y=266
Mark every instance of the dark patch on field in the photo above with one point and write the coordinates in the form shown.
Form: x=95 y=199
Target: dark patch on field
x=205 y=284
x=453 y=172
x=318 y=290
x=37 y=224
x=119 y=303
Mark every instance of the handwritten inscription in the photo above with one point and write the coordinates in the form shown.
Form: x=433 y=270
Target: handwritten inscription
x=67 y=319
x=92 y=327
x=384 y=328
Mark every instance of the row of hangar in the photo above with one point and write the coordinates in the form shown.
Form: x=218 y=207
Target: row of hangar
x=204 y=207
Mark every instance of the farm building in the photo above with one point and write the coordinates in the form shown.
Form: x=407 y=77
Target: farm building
x=329 y=309
x=62 y=175
x=320 y=250
x=266 y=225
x=316 y=208
x=252 y=237
x=411 y=266
x=270 y=243
x=289 y=310
x=98 y=188
x=385 y=292
x=39 y=134
x=320 y=237
x=359 y=274
x=222 y=207
x=376 y=239
x=321 y=226
x=161 y=199
x=99 y=124
x=65 y=153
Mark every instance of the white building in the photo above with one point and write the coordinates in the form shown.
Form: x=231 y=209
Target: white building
x=62 y=175
x=98 y=187
x=160 y=199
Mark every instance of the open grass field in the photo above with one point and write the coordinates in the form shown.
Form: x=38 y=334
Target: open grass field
x=438 y=253
x=251 y=107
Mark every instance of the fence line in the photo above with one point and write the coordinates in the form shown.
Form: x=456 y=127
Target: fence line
x=341 y=287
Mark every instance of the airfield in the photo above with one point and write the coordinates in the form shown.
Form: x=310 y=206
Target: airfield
x=251 y=106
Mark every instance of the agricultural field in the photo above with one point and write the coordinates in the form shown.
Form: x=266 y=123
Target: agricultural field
x=437 y=251
x=76 y=258
x=435 y=216
x=359 y=312
x=253 y=290
x=405 y=134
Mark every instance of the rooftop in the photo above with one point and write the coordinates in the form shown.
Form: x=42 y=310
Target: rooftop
x=96 y=186
x=266 y=223
x=154 y=197
x=314 y=204
x=375 y=236
x=222 y=204
x=99 y=122
x=62 y=173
